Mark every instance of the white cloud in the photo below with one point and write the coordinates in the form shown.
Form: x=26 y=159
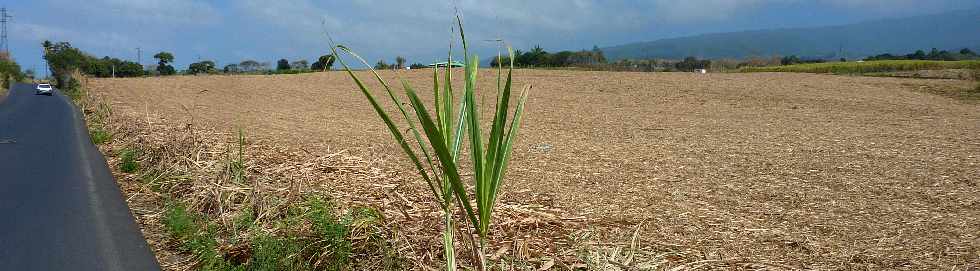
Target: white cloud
x=93 y=39
x=169 y=12
x=300 y=14
x=704 y=10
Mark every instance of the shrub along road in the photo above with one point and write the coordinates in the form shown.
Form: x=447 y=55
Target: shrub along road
x=61 y=208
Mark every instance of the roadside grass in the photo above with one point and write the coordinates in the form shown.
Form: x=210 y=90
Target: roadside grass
x=868 y=66
x=74 y=91
x=223 y=218
x=96 y=116
x=98 y=135
x=127 y=160
x=267 y=232
x=327 y=244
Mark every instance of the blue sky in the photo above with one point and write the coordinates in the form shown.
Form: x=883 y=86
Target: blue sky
x=232 y=31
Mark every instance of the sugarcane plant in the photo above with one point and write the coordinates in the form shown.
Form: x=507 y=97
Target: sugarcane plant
x=436 y=156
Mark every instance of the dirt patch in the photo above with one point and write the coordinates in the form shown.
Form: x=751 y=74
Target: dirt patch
x=800 y=170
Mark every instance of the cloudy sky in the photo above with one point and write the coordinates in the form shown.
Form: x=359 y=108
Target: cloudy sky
x=232 y=31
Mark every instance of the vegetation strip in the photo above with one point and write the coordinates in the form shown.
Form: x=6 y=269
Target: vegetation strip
x=308 y=233
x=869 y=66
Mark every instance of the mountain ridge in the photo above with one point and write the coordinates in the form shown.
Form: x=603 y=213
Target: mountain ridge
x=946 y=31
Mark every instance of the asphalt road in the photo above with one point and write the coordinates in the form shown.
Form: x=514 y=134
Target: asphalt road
x=60 y=208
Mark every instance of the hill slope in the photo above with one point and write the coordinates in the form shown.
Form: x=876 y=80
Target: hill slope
x=945 y=31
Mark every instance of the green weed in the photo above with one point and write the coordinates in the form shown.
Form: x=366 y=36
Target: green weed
x=99 y=135
x=331 y=232
x=74 y=90
x=127 y=160
x=275 y=253
x=179 y=223
x=245 y=219
x=326 y=246
x=195 y=237
x=236 y=165
x=438 y=163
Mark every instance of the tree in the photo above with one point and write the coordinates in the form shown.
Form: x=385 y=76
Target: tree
x=10 y=72
x=301 y=64
x=597 y=55
x=205 y=67
x=282 y=65
x=967 y=52
x=691 y=63
x=323 y=63
x=250 y=66
x=933 y=54
x=62 y=60
x=495 y=61
x=790 y=60
x=536 y=57
x=381 y=65
x=232 y=68
x=399 y=62
x=163 y=65
x=417 y=66
x=918 y=55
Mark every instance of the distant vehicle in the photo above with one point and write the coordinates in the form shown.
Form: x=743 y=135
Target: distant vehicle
x=43 y=89
x=701 y=70
x=443 y=64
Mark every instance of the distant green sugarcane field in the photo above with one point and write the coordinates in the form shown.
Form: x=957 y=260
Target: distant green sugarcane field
x=869 y=66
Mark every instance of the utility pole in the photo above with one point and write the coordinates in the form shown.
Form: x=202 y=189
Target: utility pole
x=4 y=18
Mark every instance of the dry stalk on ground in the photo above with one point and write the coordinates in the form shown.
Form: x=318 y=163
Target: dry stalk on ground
x=809 y=171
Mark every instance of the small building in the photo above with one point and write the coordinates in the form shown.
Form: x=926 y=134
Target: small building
x=453 y=64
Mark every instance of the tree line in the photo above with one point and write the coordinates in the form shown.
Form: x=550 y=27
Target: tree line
x=63 y=59
x=538 y=57
x=934 y=54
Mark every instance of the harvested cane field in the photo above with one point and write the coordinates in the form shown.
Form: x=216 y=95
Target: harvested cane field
x=614 y=169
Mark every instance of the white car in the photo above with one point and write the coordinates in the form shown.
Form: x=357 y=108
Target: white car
x=43 y=89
